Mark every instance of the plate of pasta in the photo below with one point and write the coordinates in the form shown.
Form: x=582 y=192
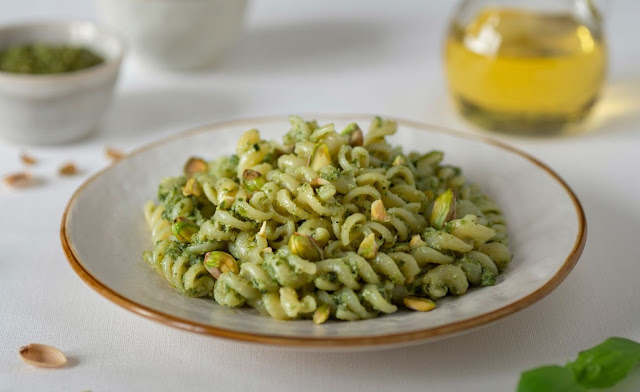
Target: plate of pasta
x=324 y=231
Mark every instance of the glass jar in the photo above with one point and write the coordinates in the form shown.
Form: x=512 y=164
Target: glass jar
x=525 y=66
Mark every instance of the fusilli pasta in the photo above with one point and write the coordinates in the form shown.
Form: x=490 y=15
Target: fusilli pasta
x=327 y=224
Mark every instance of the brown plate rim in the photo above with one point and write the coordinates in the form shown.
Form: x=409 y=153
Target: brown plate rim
x=330 y=342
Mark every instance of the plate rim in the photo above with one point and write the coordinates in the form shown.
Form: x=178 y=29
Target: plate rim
x=328 y=342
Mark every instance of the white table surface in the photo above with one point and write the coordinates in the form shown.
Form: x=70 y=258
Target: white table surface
x=296 y=57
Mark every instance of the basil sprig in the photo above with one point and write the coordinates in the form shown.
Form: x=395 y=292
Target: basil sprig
x=599 y=367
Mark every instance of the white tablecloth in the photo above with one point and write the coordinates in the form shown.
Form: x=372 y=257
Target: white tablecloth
x=297 y=57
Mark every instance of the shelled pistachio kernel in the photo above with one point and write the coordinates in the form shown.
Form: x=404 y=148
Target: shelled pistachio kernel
x=356 y=138
x=368 y=247
x=319 y=157
x=321 y=314
x=253 y=180
x=194 y=165
x=218 y=262
x=444 y=209
x=416 y=241
x=378 y=212
x=418 y=304
x=400 y=160
x=192 y=187
x=318 y=182
x=183 y=229
x=304 y=246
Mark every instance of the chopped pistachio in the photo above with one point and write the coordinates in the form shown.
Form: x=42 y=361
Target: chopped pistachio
x=356 y=138
x=263 y=230
x=378 y=212
x=220 y=262
x=191 y=188
x=444 y=209
x=418 y=304
x=183 y=229
x=416 y=241
x=318 y=182
x=319 y=157
x=305 y=247
x=321 y=314
x=253 y=180
x=400 y=160
x=225 y=200
x=368 y=247
x=194 y=165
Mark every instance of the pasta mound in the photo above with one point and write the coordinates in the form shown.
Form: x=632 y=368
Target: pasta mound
x=327 y=224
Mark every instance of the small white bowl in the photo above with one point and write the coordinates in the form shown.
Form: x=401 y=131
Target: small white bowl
x=57 y=108
x=177 y=34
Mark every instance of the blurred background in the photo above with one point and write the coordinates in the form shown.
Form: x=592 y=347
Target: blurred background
x=301 y=57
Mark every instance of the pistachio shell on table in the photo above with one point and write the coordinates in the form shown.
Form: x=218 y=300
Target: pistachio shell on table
x=42 y=355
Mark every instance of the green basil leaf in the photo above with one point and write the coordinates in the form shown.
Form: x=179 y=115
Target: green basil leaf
x=605 y=364
x=548 y=379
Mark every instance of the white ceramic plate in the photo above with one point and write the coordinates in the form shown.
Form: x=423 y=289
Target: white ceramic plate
x=104 y=234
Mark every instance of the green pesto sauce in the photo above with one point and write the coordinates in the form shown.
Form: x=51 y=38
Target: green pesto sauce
x=47 y=59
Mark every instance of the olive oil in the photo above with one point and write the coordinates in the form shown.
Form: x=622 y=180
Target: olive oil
x=524 y=71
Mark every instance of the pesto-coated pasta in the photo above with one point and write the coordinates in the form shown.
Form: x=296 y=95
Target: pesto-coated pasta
x=340 y=223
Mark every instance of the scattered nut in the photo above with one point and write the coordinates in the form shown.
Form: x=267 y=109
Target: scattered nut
x=263 y=230
x=194 y=165
x=68 y=169
x=218 y=262
x=318 y=182
x=378 y=212
x=18 y=180
x=321 y=314
x=191 y=188
x=304 y=246
x=253 y=180
x=28 y=159
x=444 y=209
x=416 y=241
x=356 y=138
x=418 y=304
x=400 y=160
x=183 y=229
x=320 y=157
x=41 y=355
x=368 y=247
x=113 y=154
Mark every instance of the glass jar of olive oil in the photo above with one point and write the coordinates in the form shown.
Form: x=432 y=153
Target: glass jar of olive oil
x=526 y=66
